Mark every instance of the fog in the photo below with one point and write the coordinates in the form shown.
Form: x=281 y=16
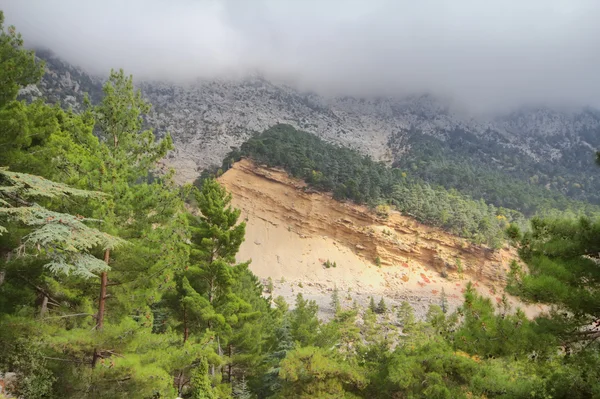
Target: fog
x=486 y=54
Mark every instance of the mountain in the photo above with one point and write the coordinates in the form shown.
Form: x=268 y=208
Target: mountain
x=549 y=149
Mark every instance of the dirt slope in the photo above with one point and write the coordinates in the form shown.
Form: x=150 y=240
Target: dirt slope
x=291 y=232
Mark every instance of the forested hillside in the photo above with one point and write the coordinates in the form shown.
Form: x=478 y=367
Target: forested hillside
x=482 y=168
x=117 y=283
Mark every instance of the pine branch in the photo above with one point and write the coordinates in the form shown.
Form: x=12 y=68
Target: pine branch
x=37 y=288
x=63 y=238
x=27 y=185
x=68 y=315
x=65 y=360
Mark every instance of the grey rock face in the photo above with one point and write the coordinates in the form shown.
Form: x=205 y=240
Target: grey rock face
x=207 y=118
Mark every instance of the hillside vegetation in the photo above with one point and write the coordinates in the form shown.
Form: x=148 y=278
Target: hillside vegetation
x=117 y=283
x=305 y=241
x=353 y=176
x=502 y=176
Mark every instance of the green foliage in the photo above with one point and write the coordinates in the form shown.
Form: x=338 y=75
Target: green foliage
x=562 y=257
x=201 y=385
x=372 y=306
x=311 y=372
x=241 y=391
x=513 y=232
x=63 y=239
x=184 y=318
x=459 y=266
x=443 y=301
x=429 y=369
x=484 y=168
x=487 y=333
x=335 y=300
x=352 y=176
x=381 y=307
x=304 y=324
x=18 y=66
x=406 y=317
x=33 y=378
x=130 y=152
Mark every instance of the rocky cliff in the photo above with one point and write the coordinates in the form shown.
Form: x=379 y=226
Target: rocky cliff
x=308 y=243
x=207 y=118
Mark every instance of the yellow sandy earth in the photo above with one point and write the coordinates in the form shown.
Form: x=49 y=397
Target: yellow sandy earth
x=292 y=232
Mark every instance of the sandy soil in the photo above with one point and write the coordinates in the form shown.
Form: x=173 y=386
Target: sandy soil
x=292 y=232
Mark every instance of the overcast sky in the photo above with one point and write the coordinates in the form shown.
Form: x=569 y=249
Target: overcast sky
x=485 y=53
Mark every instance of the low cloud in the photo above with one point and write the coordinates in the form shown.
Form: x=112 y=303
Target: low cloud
x=485 y=54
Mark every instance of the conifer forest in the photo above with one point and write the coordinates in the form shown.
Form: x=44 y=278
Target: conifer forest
x=118 y=282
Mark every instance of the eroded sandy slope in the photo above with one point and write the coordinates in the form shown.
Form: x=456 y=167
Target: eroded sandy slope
x=291 y=232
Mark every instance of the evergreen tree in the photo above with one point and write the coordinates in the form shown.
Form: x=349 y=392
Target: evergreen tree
x=335 y=300
x=18 y=66
x=311 y=372
x=201 y=385
x=341 y=332
x=371 y=329
x=406 y=317
x=562 y=258
x=381 y=307
x=241 y=391
x=127 y=154
x=436 y=318
x=283 y=343
x=304 y=324
x=65 y=240
x=372 y=306
x=443 y=301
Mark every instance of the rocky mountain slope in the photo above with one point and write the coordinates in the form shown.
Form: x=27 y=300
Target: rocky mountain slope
x=308 y=243
x=206 y=118
x=292 y=233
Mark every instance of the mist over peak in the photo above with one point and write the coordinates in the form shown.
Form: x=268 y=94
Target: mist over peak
x=487 y=55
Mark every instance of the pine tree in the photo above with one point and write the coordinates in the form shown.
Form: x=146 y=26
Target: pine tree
x=241 y=391
x=406 y=317
x=213 y=292
x=201 y=385
x=65 y=240
x=217 y=238
x=381 y=307
x=371 y=329
x=127 y=154
x=304 y=323
x=311 y=372
x=562 y=258
x=335 y=300
x=18 y=66
x=283 y=343
x=372 y=306
x=443 y=301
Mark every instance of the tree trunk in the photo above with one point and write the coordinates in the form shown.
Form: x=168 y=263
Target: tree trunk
x=211 y=286
x=44 y=307
x=95 y=357
x=102 y=299
x=186 y=330
x=229 y=366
